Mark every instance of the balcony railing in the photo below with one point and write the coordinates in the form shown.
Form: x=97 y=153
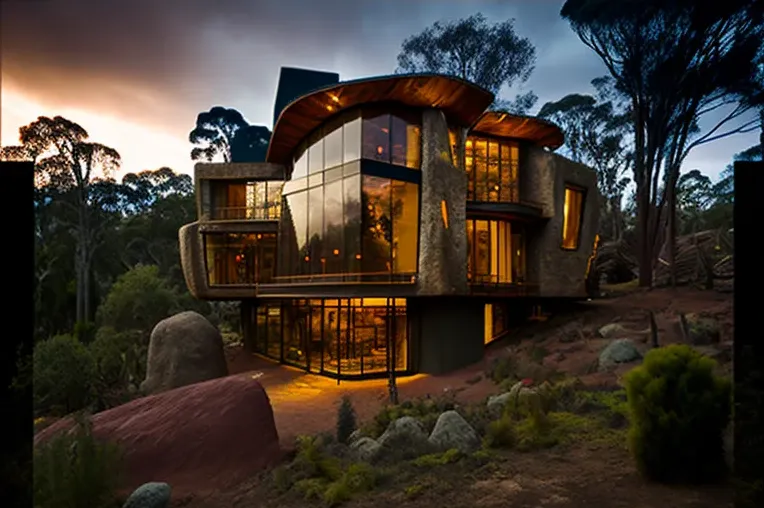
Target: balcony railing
x=348 y=278
x=246 y=213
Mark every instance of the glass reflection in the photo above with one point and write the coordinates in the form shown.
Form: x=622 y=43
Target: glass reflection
x=405 y=211
x=334 y=249
x=316 y=230
x=405 y=140
x=496 y=252
x=333 y=148
x=239 y=258
x=316 y=154
x=352 y=223
x=351 y=147
x=300 y=168
x=298 y=210
x=376 y=226
x=376 y=138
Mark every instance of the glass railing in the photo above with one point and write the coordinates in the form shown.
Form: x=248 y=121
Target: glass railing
x=246 y=213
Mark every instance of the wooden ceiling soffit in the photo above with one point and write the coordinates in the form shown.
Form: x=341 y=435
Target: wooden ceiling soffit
x=504 y=125
x=462 y=102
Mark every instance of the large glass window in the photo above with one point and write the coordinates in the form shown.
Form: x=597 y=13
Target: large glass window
x=343 y=337
x=239 y=258
x=372 y=133
x=496 y=252
x=245 y=200
x=362 y=226
x=572 y=215
x=492 y=170
x=376 y=226
x=376 y=137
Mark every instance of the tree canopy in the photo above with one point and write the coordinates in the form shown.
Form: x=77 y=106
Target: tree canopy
x=490 y=55
x=224 y=133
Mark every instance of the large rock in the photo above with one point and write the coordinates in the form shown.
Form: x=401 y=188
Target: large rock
x=196 y=438
x=702 y=331
x=453 y=431
x=150 y=495
x=365 y=448
x=617 y=352
x=404 y=438
x=184 y=349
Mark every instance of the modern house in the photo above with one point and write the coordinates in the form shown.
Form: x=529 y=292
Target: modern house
x=395 y=224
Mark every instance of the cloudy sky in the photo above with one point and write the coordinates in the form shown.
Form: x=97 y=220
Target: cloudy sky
x=135 y=74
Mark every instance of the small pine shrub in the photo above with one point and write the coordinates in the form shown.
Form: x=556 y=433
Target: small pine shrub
x=500 y=433
x=346 y=420
x=678 y=409
x=73 y=469
x=63 y=372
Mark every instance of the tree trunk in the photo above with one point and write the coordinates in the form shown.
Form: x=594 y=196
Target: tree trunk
x=672 y=232
x=645 y=244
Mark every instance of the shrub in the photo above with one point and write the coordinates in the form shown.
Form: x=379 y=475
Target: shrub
x=438 y=459
x=678 y=410
x=426 y=410
x=63 y=372
x=501 y=433
x=346 y=420
x=73 y=469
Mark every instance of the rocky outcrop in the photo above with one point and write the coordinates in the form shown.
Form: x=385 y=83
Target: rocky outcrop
x=184 y=349
x=201 y=437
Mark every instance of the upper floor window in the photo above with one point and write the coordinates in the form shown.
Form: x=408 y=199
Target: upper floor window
x=373 y=133
x=572 y=217
x=492 y=169
x=242 y=200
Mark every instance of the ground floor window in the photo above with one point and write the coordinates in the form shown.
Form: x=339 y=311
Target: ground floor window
x=495 y=321
x=343 y=337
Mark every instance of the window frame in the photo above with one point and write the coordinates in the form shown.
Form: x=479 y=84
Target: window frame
x=583 y=191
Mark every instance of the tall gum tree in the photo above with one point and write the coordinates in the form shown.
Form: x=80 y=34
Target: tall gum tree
x=66 y=164
x=490 y=55
x=674 y=62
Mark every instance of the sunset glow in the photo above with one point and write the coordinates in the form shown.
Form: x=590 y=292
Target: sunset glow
x=141 y=146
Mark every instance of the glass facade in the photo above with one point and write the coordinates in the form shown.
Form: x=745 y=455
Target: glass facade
x=496 y=252
x=346 y=337
x=239 y=258
x=244 y=200
x=340 y=224
x=492 y=170
x=572 y=216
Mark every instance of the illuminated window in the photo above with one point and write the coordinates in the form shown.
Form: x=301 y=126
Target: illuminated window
x=572 y=215
x=240 y=200
x=492 y=170
x=495 y=252
x=239 y=258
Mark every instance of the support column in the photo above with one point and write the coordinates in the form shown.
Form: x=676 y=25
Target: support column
x=247 y=313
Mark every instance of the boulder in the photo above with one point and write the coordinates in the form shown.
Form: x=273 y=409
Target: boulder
x=196 y=438
x=355 y=436
x=453 y=431
x=365 y=448
x=184 y=349
x=150 y=495
x=702 y=331
x=404 y=438
x=617 y=352
x=497 y=403
x=611 y=330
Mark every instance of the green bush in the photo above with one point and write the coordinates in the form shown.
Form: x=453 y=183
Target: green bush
x=73 y=470
x=678 y=410
x=346 y=420
x=501 y=433
x=426 y=410
x=120 y=363
x=63 y=373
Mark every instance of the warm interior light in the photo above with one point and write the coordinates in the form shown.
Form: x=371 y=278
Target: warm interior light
x=358 y=256
x=335 y=98
x=259 y=237
x=307 y=258
x=444 y=213
x=329 y=107
x=385 y=130
x=323 y=260
x=336 y=252
x=469 y=143
x=380 y=150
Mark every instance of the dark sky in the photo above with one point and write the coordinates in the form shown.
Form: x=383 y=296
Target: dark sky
x=136 y=73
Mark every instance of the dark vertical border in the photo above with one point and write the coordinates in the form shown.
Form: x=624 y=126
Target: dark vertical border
x=18 y=204
x=749 y=337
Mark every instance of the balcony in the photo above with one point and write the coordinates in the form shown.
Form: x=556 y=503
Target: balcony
x=246 y=212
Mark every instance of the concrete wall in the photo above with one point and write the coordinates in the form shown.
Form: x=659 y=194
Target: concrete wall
x=447 y=333
x=204 y=172
x=442 y=247
x=559 y=272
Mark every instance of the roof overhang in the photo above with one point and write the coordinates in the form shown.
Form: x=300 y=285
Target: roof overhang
x=506 y=125
x=462 y=102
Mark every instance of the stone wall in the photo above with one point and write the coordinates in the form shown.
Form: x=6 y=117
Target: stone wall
x=559 y=272
x=442 y=241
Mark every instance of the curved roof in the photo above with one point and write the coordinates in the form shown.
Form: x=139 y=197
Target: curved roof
x=462 y=102
x=507 y=125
